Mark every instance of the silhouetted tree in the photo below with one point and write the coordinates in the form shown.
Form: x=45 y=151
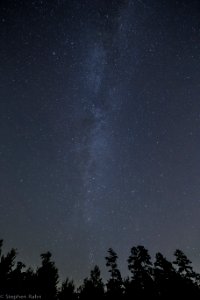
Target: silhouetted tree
x=164 y=280
x=6 y=264
x=140 y=265
x=115 y=283
x=31 y=282
x=187 y=282
x=183 y=264
x=17 y=279
x=67 y=291
x=165 y=277
x=93 y=287
x=47 y=277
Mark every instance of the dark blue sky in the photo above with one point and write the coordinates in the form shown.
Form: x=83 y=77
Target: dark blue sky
x=100 y=129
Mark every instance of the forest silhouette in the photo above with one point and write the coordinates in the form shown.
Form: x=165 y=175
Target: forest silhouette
x=161 y=279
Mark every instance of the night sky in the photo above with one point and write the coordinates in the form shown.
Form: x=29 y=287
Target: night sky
x=99 y=129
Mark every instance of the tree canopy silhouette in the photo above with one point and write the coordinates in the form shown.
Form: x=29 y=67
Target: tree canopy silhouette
x=115 y=283
x=93 y=287
x=161 y=279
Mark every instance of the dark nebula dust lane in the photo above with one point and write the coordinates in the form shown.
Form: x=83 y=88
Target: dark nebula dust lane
x=100 y=127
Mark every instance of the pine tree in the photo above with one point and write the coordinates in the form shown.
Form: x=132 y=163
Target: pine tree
x=188 y=279
x=67 y=290
x=165 y=277
x=115 y=283
x=6 y=266
x=140 y=266
x=93 y=287
x=47 y=277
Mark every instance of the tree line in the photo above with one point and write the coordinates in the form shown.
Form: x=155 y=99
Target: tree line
x=161 y=279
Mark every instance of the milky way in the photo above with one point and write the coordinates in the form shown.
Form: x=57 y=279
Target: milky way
x=100 y=125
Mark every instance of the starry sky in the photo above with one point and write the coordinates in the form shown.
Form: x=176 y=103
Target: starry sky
x=99 y=129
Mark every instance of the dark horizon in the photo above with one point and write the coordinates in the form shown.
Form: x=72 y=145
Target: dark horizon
x=157 y=279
